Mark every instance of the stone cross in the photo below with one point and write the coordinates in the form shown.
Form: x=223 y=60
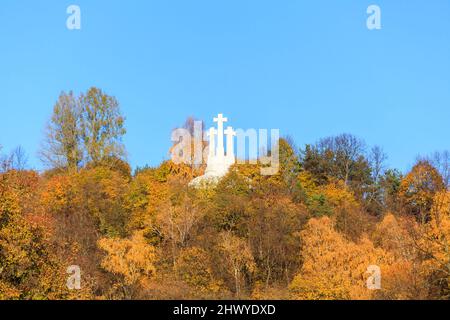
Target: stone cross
x=230 y=133
x=220 y=121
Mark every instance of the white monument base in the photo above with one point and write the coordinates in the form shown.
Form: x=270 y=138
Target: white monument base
x=216 y=169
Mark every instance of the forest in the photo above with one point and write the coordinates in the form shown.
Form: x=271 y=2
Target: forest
x=310 y=232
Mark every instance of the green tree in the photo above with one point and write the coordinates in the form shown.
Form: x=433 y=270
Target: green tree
x=342 y=157
x=102 y=126
x=62 y=147
x=390 y=185
x=289 y=164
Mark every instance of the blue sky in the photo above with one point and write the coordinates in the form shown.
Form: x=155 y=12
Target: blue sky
x=310 y=68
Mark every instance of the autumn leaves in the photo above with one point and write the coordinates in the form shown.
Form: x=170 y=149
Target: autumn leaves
x=309 y=232
x=84 y=129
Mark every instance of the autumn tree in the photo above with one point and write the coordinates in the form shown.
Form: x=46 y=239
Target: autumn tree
x=350 y=220
x=102 y=125
x=418 y=189
x=227 y=211
x=147 y=192
x=238 y=259
x=289 y=163
x=194 y=267
x=85 y=206
x=344 y=158
x=333 y=267
x=101 y=192
x=272 y=227
x=432 y=240
x=391 y=234
x=375 y=201
x=85 y=129
x=131 y=258
x=341 y=157
x=441 y=161
x=28 y=268
x=177 y=220
x=404 y=278
x=62 y=147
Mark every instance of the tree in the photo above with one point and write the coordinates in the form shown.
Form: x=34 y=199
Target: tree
x=133 y=259
x=390 y=234
x=441 y=161
x=289 y=163
x=390 y=185
x=404 y=278
x=101 y=192
x=194 y=267
x=28 y=269
x=102 y=126
x=347 y=212
x=374 y=202
x=19 y=159
x=83 y=206
x=238 y=258
x=272 y=229
x=177 y=219
x=418 y=189
x=16 y=160
x=432 y=240
x=145 y=195
x=62 y=147
x=341 y=157
x=333 y=267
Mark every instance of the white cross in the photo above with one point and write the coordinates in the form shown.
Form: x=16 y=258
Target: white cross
x=230 y=133
x=220 y=121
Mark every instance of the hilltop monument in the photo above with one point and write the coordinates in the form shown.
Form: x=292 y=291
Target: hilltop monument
x=218 y=162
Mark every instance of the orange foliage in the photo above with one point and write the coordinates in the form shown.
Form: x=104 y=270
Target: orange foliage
x=333 y=267
x=131 y=258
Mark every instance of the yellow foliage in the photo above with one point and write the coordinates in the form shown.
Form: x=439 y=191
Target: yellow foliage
x=403 y=280
x=131 y=258
x=238 y=258
x=58 y=193
x=390 y=235
x=418 y=188
x=194 y=268
x=307 y=182
x=8 y=292
x=333 y=267
x=25 y=259
x=339 y=195
x=434 y=239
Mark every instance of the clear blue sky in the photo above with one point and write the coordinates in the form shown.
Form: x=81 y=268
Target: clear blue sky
x=310 y=68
